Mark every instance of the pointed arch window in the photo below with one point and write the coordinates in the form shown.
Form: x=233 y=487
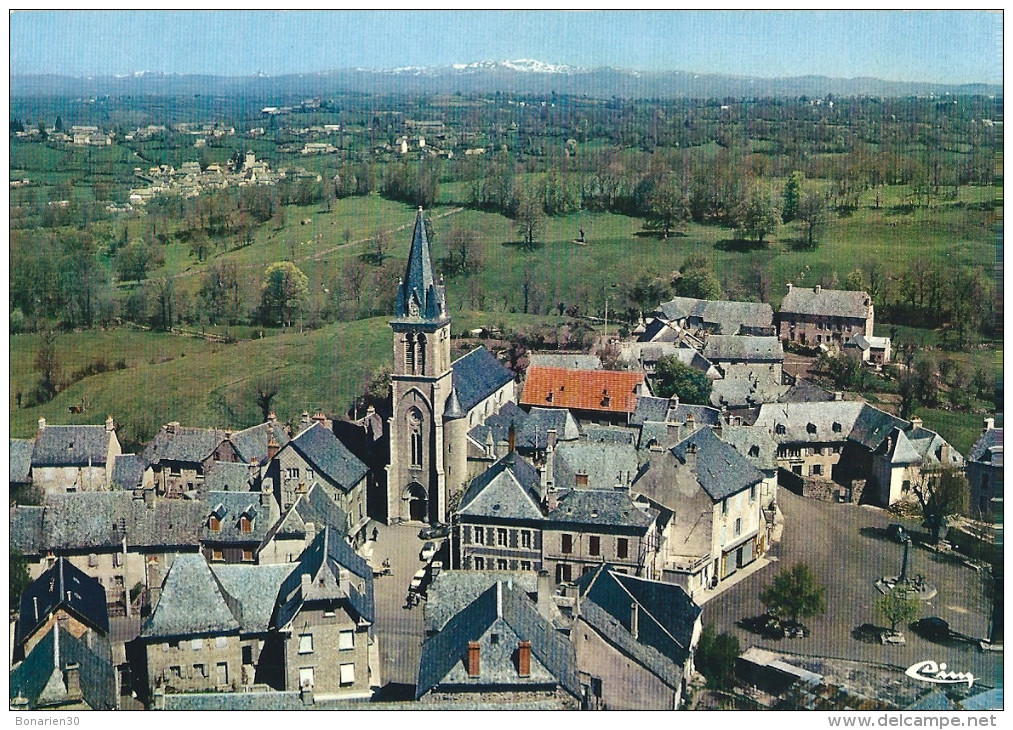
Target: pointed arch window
x=409 y=353
x=415 y=425
x=422 y=354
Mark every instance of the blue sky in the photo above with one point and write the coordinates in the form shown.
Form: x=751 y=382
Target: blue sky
x=949 y=47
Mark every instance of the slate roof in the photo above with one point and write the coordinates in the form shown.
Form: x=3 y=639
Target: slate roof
x=510 y=614
x=318 y=507
x=255 y=588
x=903 y=452
x=39 y=678
x=756 y=444
x=832 y=421
x=229 y=507
x=722 y=348
x=934 y=701
x=990 y=699
x=666 y=617
x=536 y=428
x=721 y=470
x=100 y=520
x=192 y=445
x=805 y=391
x=323 y=560
x=620 y=637
x=601 y=508
x=331 y=458
x=192 y=603
x=499 y=425
x=452 y=590
x=582 y=389
x=610 y=435
x=867 y=343
x=419 y=284
x=227 y=476
x=747 y=384
x=21 y=460
x=71 y=446
x=509 y=489
x=478 y=375
x=987 y=448
x=573 y=360
x=607 y=465
x=62 y=586
x=251 y=443
x=650 y=408
x=658 y=330
x=649 y=354
x=826 y=302
x=128 y=471
x=728 y=317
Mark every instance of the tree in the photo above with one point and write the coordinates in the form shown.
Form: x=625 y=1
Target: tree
x=941 y=494
x=283 y=291
x=132 y=262
x=220 y=295
x=462 y=242
x=668 y=206
x=795 y=593
x=530 y=217
x=697 y=279
x=267 y=389
x=672 y=377
x=759 y=216
x=20 y=580
x=812 y=213
x=165 y=300
x=898 y=606
x=791 y=196
x=47 y=364
x=716 y=655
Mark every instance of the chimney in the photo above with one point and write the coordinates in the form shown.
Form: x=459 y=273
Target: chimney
x=305 y=420
x=511 y=438
x=272 y=418
x=35 y=604
x=265 y=499
x=690 y=424
x=524 y=659
x=311 y=533
x=673 y=403
x=319 y=417
x=272 y=446
x=305 y=582
x=544 y=594
x=550 y=439
x=110 y=424
x=490 y=445
x=944 y=454
x=502 y=449
x=42 y=423
x=916 y=421
x=172 y=427
x=149 y=498
x=789 y=287
x=989 y=425
x=691 y=456
x=635 y=620
x=72 y=678
x=474 y=659
x=817 y=289
x=838 y=395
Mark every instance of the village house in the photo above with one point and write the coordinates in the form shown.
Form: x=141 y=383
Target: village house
x=236 y=525
x=499 y=651
x=285 y=539
x=984 y=473
x=63 y=672
x=634 y=640
x=74 y=458
x=824 y=316
x=645 y=355
x=873 y=350
x=20 y=464
x=594 y=396
x=705 y=316
x=709 y=499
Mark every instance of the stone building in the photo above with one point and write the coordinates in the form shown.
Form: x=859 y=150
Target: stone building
x=984 y=472
x=819 y=316
x=74 y=458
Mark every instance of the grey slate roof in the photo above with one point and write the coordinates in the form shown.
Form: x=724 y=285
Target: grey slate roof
x=987 y=448
x=509 y=489
x=184 y=444
x=666 y=614
x=934 y=701
x=128 y=471
x=255 y=588
x=39 y=678
x=747 y=384
x=251 y=443
x=728 y=317
x=192 y=603
x=316 y=506
x=21 y=460
x=452 y=590
x=571 y=360
x=290 y=701
x=721 y=348
x=606 y=465
x=805 y=391
x=826 y=302
x=511 y=615
x=229 y=507
x=601 y=508
x=499 y=424
x=540 y=420
x=332 y=458
x=721 y=470
x=610 y=435
x=100 y=520
x=418 y=284
x=227 y=476
x=753 y=443
x=478 y=375
x=903 y=452
x=62 y=586
x=658 y=330
x=71 y=446
x=651 y=408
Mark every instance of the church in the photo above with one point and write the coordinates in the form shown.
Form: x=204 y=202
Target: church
x=434 y=401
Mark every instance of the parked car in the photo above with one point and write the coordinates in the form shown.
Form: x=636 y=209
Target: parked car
x=417 y=580
x=932 y=628
x=435 y=568
x=892 y=637
x=427 y=552
x=433 y=532
x=898 y=533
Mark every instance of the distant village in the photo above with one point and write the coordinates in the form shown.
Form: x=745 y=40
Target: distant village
x=548 y=540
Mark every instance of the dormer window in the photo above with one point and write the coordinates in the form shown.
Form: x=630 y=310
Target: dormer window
x=580 y=480
x=245 y=524
x=214 y=523
x=780 y=429
x=836 y=427
x=606 y=399
x=810 y=428
x=754 y=451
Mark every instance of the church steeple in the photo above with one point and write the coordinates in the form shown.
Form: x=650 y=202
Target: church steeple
x=418 y=294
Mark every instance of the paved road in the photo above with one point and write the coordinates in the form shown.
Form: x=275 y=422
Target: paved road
x=837 y=542
x=400 y=630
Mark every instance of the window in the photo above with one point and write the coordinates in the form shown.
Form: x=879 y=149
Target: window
x=480 y=536
x=479 y=563
x=836 y=427
x=221 y=642
x=346 y=640
x=567 y=544
x=501 y=564
x=754 y=451
x=501 y=537
x=594 y=545
x=247 y=556
x=200 y=670
x=564 y=573
x=117 y=559
x=175 y=672
x=622 y=547
x=724 y=506
x=581 y=480
x=738 y=525
x=525 y=565
x=493 y=638
x=222 y=672
x=409 y=353
x=780 y=429
x=245 y=524
x=217 y=554
x=197 y=644
x=347 y=672
x=309 y=475
x=525 y=538
x=810 y=428
x=416 y=447
x=292 y=472
x=214 y=523
x=306 y=677
x=817 y=470
x=305 y=643
x=752 y=493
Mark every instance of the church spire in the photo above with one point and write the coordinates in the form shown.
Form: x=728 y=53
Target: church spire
x=418 y=294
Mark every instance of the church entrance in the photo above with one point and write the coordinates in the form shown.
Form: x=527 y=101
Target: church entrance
x=418 y=505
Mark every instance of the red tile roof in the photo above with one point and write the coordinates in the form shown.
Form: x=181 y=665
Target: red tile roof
x=588 y=390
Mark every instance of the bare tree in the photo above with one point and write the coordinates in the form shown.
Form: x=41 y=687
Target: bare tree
x=267 y=389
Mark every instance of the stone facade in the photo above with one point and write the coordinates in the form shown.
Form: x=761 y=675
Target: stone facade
x=327 y=652
x=196 y=664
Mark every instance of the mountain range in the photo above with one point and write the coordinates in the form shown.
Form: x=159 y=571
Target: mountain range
x=523 y=76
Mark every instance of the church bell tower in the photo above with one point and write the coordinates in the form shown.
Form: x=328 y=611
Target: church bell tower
x=421 y=386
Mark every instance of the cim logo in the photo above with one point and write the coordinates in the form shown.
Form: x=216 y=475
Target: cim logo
x=929 y=671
